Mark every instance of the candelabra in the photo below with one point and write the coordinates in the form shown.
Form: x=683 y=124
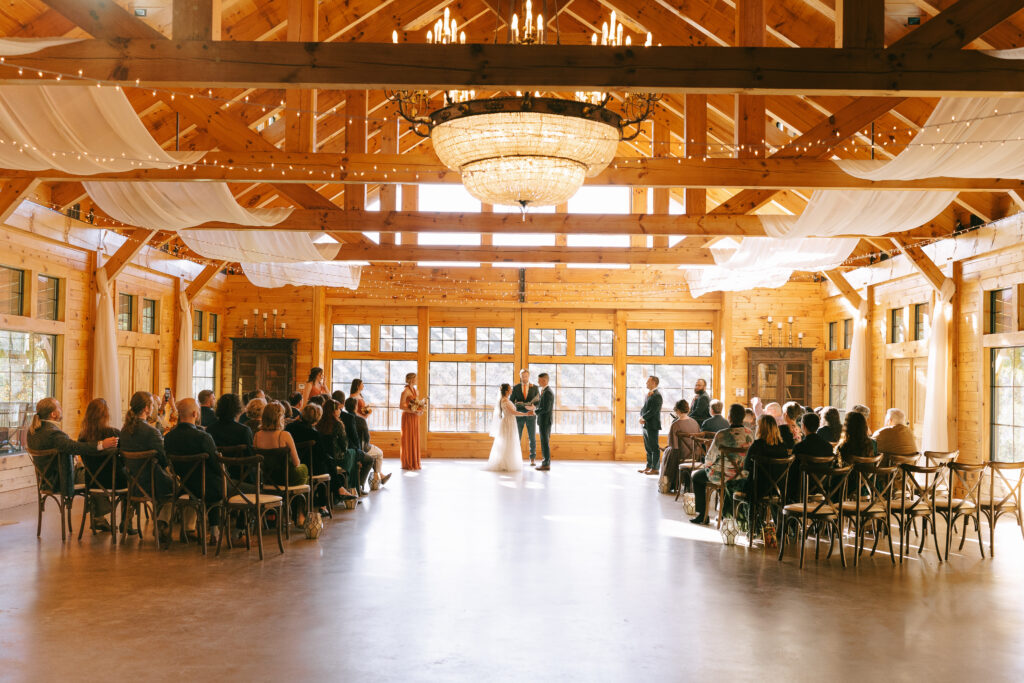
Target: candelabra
x=245 y=328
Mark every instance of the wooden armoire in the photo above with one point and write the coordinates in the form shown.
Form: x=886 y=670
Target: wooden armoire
x=779 y=373
x=263 y=363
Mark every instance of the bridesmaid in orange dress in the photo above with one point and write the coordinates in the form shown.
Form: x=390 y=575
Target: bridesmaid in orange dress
x=410 y=447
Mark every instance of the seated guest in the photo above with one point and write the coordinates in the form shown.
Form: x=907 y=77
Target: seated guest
x=767 y=444
x=139 y=435
x=187 y=438
x=45 y=434
x=716 y=422
x=832 y=428
x=338 y=396
x=157 y=417
x=272 y=435
x=95 y=428
x=735 y=436
x=318 y=400
x=679 y=449
x=750 y=420
x=855 y=441
x=812 y=445
x=356 y=479
x=293 y=403
x=334 y=445
x=207 y=414
x=775 y=410
x=865 y=411
x=227 y=431
x=363 y=429
x=895 y=438
x=254 y=414
x=304 y=429
x=791 y=414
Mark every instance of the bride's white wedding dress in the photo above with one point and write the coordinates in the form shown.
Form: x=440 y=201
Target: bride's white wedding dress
x=506 y=455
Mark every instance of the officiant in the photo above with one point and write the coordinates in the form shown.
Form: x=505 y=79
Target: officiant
x=526 y=396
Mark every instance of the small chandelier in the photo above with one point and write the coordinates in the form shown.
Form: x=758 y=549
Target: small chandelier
x=529 y=149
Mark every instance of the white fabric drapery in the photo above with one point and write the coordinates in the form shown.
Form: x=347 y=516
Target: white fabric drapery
x=258 y=246
x=106 y=380
x=857 y=380
x=936 y=406
x=77 y=129
x=183 y=374
x=13 y=47
x=311 y=273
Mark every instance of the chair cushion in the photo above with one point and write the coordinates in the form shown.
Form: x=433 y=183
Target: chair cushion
x=823 y=511
x=987 y=502
x=867 y=507
x=909 y=504
x=103 y=491
x=264 y=500
x=296 y=488
x=942 y=503
x=321 y=477
x=690 y=465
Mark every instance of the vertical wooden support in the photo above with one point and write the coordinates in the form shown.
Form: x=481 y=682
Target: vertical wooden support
x=638 y=205
x=661 y=148
x=410 y=202
x=750 y=119
x=486 y=238
x=423 y=372
x=877 y=403
x=321 y=320
x=196 y=20
x=300 y=117
x=619 y=413
x=723 y=345
x=561 y=240
x=695 y=135
x=389 y=191
x=860 y=23
x=355 y=142
x=954 y=358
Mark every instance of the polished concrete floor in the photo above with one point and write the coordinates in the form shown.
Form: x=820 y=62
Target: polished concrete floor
x=583 y=573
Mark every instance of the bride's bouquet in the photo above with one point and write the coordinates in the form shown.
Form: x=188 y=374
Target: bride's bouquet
x=420 y=404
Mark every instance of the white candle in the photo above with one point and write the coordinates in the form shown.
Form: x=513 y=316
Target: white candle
x=265 y=317
x=284 y=325
x=256 y=312
x=245 y=321
x=760 y=332
x=790 y=318
x=275 y=313
x=780 y=324
x=800 y=335
x=769 y=320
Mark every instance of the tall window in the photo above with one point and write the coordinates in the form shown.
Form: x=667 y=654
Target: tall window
x=148 y=317
x=463 y=395
x=352 y=338
x=197 y=326
x=838 y=372
x=922 y=321
x=28 y=373
x=675 y=381
x=383 y=382
x=125 y=311
x=1007 y=410
x=833 y=336
x=204 y=370
x=645 y=342
x=495 y=340
x=399 y=338
x=449 y=340
x=692 y=342
x=583 y=396
x=211 y=327
x=594 y=342
x=47 y=297
x=898 y=326
x=848 y=333
x=12 y=289
x=1000 y=310
x=547 y=342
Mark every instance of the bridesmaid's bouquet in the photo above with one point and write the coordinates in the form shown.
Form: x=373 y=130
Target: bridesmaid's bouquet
x=367 y=410
x=420 y=404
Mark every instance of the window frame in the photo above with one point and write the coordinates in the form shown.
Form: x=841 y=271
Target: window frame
x=130 y=299
x=544 y=347
x=19 y=286
x=638 y=345
x=205 y=355
x=143 y=317
x=900 y=313
x=391 y=339
x=847 y=333
x=392 y=387
x=487 y=392
x=460 y=334
x=197 y=326
x=490 y=342
x=55 y=302
x=687 y=344
x=922 y=323
x=587 y=345
x=555 y=370
x=833 y=336
x=991 y=301
x=358 y=338
x=24 y=408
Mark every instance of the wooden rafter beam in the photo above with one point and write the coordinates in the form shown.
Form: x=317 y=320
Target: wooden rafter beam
x=676 y=257
x=105 y=18
x=352 y=65
x=137 y=239
x=203 y=279
x=921 y=262
x=12 y=192
x=846 y=290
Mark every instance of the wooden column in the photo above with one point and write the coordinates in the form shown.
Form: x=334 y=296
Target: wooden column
x=722 y=347
x=486 y=238
x=196 y=20
x=661 y=136
x=860 y=23
x=619 y=389
x=561 y=240
x=638 y=206
x=695 y=146
x=954 y=357
x=355 y=142
x=300 y=116
x=389 y=191
x=423 y=372
x=321 y=321
x=410 y=202
x=750 y=109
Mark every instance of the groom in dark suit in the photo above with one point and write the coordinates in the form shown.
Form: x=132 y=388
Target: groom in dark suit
x=545 y=413
x=525 y=397
x=650 y=420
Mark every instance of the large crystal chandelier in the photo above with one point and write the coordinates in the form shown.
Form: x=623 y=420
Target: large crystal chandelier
x=528 y=149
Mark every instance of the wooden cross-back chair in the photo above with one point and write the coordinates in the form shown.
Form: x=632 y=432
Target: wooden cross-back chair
x=822 y=488
x=49 y=487
x=243 y=495
x=105 y=478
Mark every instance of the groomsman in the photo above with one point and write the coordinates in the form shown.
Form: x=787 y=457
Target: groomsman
x=525 y=396
x=650 y=420
x=545 y=413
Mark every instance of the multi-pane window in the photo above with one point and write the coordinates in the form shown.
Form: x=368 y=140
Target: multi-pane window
x=1007 y=410
x=675 y=381
x=148 y=316
x=583 y=396
x=897 y=326
x=28 y=373
x=594 y=342
x=204 y=370
x=383 y=382
x=922 y=321
x=463 y=395
x=352 y=338
x=197 y=326
x=838 y=372
x=125 y=311
x=495 y=340
x=449 y=340
x=12 y=288
x=211 y=327
x=645 y=342
x=1000 y=310
x=691 y=342
x=547 y=342
x=399 y=338
x=47 y=297
x=833 y=336
x=848 y=333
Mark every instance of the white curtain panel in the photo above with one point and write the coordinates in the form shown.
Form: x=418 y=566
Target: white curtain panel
x=857 y=384
x=106 y=380
x=311 y=274
x=77 y=129
x=183 y=374
x=936 y=406
x=12 y=47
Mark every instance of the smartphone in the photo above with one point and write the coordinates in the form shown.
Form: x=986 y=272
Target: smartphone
x=167 y=394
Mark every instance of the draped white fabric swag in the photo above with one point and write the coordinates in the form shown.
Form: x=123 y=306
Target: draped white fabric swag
x=77 y=129
x=13 y=47
x=183 y=374
x=106 y=380
x=311 y=273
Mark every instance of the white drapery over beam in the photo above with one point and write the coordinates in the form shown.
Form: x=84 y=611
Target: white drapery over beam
x=106 y=380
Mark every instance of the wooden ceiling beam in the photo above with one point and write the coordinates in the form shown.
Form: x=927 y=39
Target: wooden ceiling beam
x=205 y=275
x=136 y=240
x=617 y=255
x=196 y=20
x=105 y=19
x=12 y=192
x=921 y=262
x=860 y=23
x=909 y=71
x=846 y=290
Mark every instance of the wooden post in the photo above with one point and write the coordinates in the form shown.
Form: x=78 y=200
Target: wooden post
x=695 y=135
x=300 y=117
x=661 y=147
x=196 y=20
x=750 y=123
x=355 y=142
x=619 y=412
x=860 y=23
x=410 y=202
x=638 y=206
x=723 y=344
x=389 y=191
x=320 y=324
x=423 y=372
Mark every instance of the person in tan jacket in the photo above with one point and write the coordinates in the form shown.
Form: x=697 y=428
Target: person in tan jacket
x=895 y=437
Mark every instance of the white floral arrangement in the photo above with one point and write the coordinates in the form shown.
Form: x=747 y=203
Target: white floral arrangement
x=420 y=404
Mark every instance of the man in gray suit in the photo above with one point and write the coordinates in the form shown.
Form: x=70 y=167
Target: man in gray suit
x=545 y=415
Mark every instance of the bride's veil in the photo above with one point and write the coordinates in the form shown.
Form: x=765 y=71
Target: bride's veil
x=496 y=420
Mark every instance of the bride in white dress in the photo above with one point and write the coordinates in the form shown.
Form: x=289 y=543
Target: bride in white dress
x=506 y=455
